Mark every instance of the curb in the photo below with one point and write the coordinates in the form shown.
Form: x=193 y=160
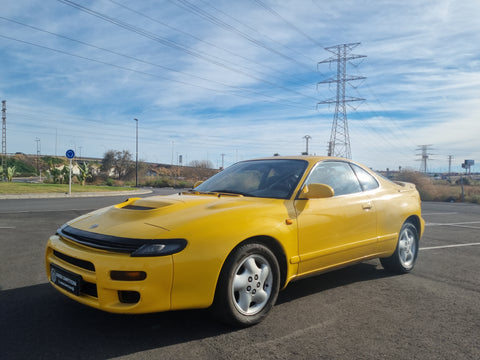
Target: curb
x=73 y=195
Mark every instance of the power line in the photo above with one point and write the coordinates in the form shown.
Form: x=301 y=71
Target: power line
x=185 y=4
x=209 y=58
x=288 y=103
x=115 y=133
x=209 y=43
x=164 y=41
x=113 y=52
x=257 y=32
x=292 y=25
x=394 y=128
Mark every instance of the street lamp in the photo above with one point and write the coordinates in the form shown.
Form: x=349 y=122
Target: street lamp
x=306 y=137
x=136 y=154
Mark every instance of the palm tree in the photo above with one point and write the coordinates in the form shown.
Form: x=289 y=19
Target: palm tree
x=84 y=172
x=11 y=172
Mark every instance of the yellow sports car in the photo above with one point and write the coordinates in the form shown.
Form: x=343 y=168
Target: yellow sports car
x=235 y=240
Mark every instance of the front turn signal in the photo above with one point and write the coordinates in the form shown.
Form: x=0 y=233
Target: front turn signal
x=128 y=275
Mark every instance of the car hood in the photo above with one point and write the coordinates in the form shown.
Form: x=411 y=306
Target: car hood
x=175 y=215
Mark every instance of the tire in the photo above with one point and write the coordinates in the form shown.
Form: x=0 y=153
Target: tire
x=248 y=285
x=403 y=259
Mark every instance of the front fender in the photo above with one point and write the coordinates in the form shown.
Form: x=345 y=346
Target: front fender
x=210 y=241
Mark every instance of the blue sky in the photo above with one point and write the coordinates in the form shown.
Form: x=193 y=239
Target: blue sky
x=239 y=78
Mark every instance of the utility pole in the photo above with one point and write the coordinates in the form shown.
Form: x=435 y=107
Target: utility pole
x=306 y=137
x=38 y=154
x=223 y=161
x=339 y=144
x=4 y=139
x=136 y=153
x=450 y=157
x=425 y=156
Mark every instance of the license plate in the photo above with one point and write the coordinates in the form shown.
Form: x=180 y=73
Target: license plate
x=65 y=279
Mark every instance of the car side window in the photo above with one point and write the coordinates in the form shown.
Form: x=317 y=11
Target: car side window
x=338 y=175
x=367 y=181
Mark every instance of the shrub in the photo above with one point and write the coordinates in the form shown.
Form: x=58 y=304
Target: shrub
x=21 y=167
x=183 y=184
x=466 y=181
x=475 y=199
x=442 y=191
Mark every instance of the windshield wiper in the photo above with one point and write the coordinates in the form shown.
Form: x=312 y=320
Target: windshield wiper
x=218 y=193
x=196 y=192
x=231 y=192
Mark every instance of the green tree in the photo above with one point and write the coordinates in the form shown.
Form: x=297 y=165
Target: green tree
x=124 y=165
x=108 y=161
x=120 y=162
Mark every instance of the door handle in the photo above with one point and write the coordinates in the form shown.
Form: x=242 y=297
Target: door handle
x=367 y=206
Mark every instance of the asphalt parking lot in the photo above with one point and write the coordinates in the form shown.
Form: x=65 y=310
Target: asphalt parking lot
x=361 y=312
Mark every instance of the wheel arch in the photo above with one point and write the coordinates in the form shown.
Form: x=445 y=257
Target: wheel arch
x=415 y=220
x=273 y=245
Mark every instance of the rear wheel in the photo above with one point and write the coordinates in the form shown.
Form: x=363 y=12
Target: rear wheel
x=405 y=255
x=248 y=285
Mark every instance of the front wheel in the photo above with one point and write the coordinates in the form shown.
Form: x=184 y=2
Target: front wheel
x=248 y=285
x=405 y=255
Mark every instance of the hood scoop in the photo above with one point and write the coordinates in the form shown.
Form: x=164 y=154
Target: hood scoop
x=152 y=203
x=137 y=207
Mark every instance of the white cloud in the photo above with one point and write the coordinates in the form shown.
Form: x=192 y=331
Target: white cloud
x=422 y=75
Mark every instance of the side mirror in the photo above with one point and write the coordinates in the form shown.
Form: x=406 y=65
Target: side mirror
x=197 y=183
x=316 y=191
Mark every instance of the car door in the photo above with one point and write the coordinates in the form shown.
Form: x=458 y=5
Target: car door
x=336 y=230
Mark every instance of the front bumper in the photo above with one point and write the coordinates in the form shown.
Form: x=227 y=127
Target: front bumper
x=99 y=290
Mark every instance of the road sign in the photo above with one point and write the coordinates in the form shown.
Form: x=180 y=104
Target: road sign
x=70 y=154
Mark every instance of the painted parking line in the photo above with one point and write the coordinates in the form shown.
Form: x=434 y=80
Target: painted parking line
x=42 y=211
x=448 y=246
x=467 y=224
x=440 y=213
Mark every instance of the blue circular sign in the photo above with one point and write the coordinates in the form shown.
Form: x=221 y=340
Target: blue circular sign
x=70 y=154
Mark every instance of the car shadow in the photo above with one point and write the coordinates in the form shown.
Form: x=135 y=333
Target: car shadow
x=37 y=322
x=366 y=271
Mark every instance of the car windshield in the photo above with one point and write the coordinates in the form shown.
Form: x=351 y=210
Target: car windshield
x=274 y=178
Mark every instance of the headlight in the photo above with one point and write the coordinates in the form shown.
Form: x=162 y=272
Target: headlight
x=167 y=247
x=133 y=246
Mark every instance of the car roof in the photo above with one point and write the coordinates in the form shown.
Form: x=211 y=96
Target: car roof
x=309 y=158
x=312 y=160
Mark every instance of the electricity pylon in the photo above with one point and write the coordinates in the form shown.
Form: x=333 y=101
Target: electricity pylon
x=339 y=144
x=425 y=156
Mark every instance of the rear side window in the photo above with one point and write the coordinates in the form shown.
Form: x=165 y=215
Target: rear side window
x=338 y=175
x=367 y=181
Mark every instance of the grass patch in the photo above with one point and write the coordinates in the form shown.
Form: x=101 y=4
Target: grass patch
x=28 y=188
